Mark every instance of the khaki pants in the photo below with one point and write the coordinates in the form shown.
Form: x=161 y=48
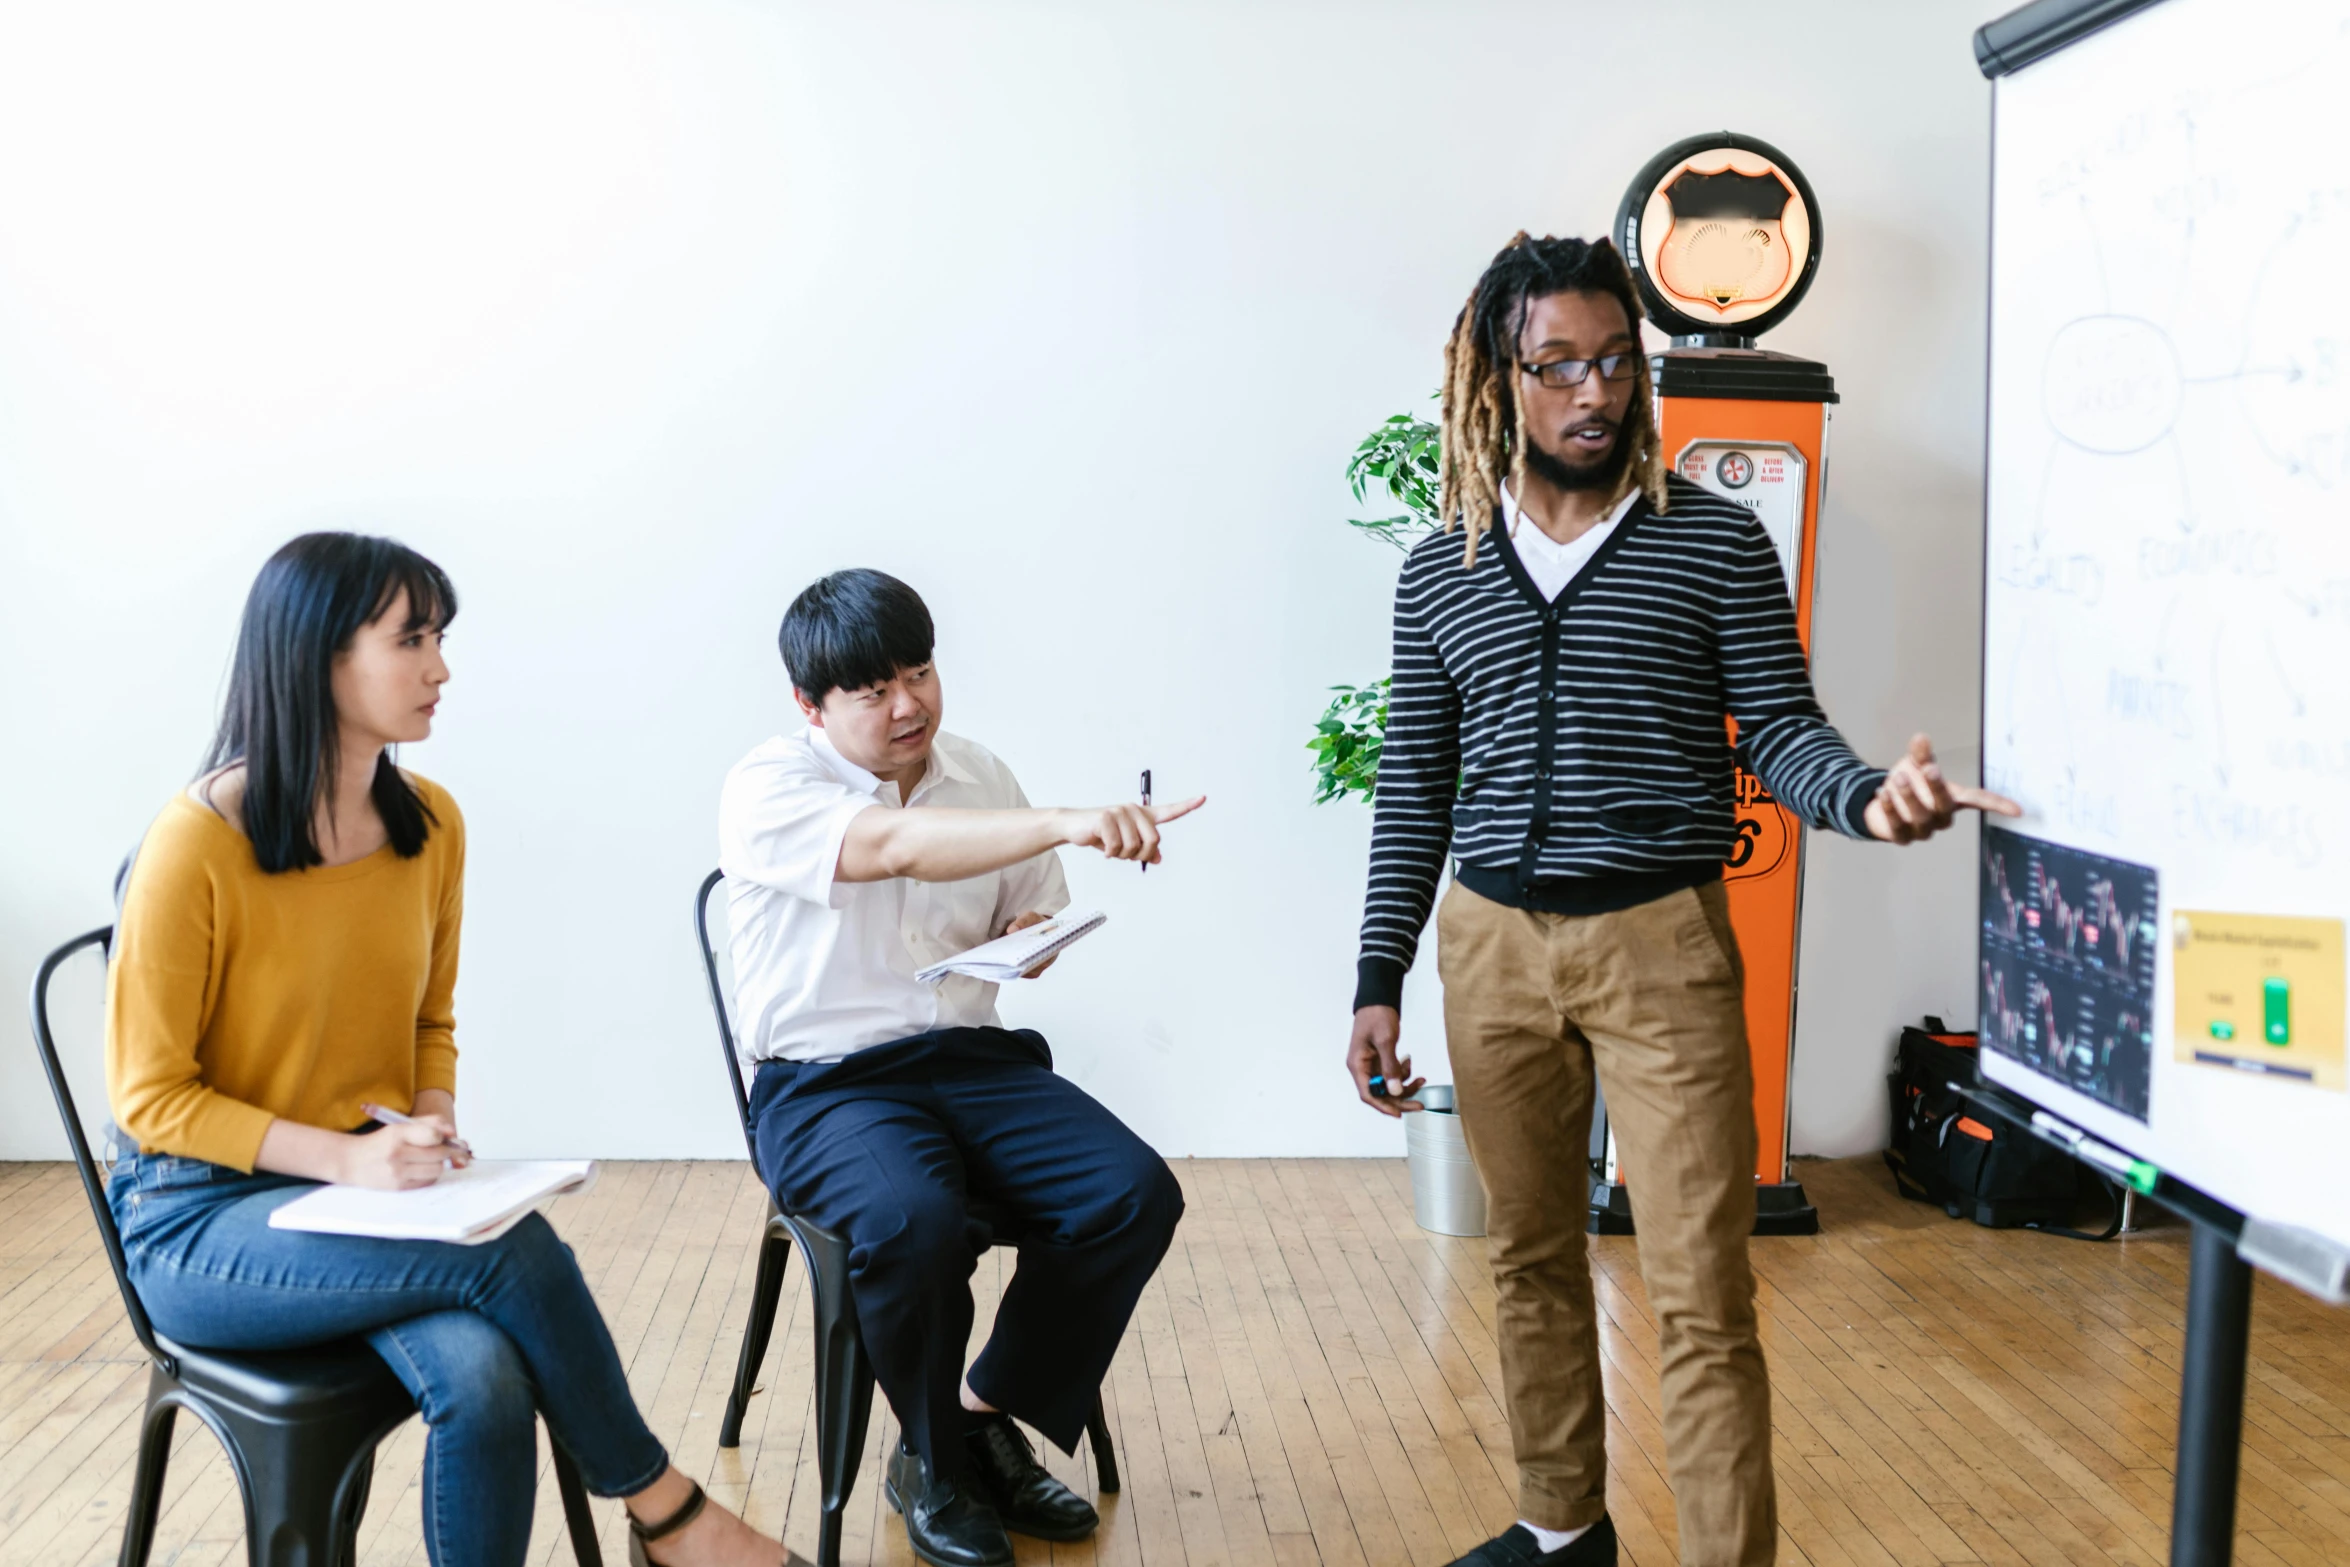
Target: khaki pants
x=1651 y=997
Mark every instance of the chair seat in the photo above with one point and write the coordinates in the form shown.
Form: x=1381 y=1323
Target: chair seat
x=982 y=1211
x=342 y=1378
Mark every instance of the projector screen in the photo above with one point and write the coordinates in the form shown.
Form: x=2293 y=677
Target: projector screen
x=2167 y=597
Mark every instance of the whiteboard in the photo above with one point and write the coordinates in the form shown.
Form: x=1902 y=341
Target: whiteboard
x=2167 y=593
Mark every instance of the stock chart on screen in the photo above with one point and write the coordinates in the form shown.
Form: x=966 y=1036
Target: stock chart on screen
x=2068 y=966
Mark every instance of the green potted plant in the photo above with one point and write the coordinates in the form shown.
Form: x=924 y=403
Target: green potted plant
x=1399 y=456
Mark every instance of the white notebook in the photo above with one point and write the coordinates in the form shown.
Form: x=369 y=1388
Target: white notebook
x=478 y=1203
x=1008 y=957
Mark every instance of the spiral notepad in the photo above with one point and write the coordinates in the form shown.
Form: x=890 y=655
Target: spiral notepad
x=1008 y=957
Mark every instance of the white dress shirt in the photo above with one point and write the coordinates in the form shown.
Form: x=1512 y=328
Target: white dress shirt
x=823 y=967
x=1551 y=564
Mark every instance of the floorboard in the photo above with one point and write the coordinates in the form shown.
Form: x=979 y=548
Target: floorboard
x=1311 y=1381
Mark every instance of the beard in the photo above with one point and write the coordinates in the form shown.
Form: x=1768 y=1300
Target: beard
x=1604 y=474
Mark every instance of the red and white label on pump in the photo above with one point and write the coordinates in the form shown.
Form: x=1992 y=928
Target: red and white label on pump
x=1765 y=477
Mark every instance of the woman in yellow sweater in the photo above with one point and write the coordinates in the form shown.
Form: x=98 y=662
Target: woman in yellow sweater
x=285 y=961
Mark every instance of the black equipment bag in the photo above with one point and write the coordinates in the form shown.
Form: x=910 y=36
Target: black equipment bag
x=1996 y=1174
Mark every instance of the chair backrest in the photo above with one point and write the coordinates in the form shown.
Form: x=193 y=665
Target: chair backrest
x=718 y=1010
x=93 y=1185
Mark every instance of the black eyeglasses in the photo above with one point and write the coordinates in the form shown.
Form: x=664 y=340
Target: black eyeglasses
x=1570 y=372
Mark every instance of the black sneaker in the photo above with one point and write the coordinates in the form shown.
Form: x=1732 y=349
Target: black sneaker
x=1030 y=1501
x=1515 y=1547
x=949 y=1525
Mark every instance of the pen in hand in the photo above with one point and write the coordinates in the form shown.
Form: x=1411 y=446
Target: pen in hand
x=1146 y=800
x=395 y=1118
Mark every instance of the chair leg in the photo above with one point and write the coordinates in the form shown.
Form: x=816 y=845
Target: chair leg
x=303 y=1488
x=138 y=1525
x=844 y=1412
x=1105 y=1457
x=347 y=1526
x=844 y=1379
x=576 y=1517
x=844 y=1409
x=766 y=1293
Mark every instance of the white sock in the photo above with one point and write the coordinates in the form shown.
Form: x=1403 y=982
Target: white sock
x=1549 y=1540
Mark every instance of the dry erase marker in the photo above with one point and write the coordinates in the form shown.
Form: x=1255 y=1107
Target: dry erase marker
x=1146 y=803
x=2137 y=1174
x=395 y=1118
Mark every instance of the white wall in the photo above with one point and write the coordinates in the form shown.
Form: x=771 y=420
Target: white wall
x=639 y=316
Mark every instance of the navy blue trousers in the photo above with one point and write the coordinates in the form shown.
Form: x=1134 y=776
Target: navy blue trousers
x=888 y=1146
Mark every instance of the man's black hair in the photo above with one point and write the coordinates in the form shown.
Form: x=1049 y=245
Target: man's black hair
x=851 y=630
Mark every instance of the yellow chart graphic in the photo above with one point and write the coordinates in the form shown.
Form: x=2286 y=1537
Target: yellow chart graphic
x=2259 y=993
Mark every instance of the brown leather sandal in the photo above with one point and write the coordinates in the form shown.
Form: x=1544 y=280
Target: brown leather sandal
x=642 y=1535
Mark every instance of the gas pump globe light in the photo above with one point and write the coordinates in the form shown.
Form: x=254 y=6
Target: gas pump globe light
x=1722 y=236
x=1718 y=263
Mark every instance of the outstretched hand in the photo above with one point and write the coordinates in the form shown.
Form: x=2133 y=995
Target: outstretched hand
x=1916 y=801
x=1125 y=832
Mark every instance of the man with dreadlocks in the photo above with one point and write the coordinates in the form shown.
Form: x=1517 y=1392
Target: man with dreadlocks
x=1556 y=727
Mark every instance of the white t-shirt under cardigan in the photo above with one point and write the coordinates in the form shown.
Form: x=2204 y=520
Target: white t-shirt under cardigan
x=1551 y=564
x=823 y=967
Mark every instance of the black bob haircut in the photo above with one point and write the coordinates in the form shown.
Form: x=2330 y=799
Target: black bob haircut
x=279 y=720
x=851 y=630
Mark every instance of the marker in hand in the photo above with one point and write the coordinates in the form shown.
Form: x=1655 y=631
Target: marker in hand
x=1146 y=800
x=386 y=1117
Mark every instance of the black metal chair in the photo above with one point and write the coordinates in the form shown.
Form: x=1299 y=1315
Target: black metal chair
x=844 y=1378
x=300 y=1426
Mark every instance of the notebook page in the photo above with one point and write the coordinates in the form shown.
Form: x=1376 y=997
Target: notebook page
x=469 y=1204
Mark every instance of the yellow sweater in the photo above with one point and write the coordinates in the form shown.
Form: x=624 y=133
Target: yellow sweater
x=237 y=998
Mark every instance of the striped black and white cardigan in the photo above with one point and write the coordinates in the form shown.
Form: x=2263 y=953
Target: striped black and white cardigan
x=1572 y=753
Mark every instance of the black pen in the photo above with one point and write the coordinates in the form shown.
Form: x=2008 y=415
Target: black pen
x=1146 y=801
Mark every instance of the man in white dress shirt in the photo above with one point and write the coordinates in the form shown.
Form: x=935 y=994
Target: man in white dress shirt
x=857 y=851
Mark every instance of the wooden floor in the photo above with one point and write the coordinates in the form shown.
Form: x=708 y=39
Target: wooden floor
x=1312 y=1379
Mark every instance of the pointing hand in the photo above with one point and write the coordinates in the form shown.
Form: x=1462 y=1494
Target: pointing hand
x=1124 y=832
x=1916 y=801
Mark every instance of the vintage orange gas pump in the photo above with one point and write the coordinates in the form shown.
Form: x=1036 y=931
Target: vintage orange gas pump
x=1723 y=235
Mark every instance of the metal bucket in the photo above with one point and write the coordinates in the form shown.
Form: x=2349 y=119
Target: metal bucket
x=1447 y=1196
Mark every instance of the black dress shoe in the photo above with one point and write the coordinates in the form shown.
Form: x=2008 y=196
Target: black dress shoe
x=948 y=1524
x=1515 y=1547
x=1028 y=1499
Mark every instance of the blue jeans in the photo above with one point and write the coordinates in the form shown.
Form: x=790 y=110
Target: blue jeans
x=485 y=1337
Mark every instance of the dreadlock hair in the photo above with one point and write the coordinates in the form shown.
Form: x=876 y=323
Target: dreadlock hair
x=1484 y=435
